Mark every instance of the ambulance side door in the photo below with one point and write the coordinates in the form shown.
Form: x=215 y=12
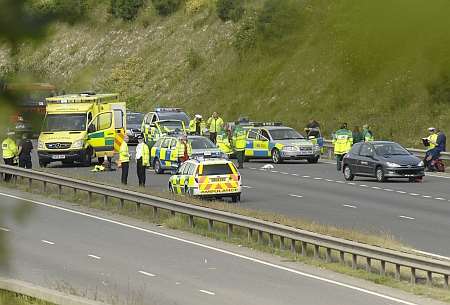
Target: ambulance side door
x=102 y=132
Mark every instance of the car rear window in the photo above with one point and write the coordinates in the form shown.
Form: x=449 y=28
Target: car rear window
x=216 y=169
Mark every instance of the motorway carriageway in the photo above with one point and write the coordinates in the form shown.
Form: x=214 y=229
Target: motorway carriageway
x=417 y=214
x=132 y=264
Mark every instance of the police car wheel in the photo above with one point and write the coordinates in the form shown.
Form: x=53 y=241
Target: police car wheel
x=276 y=157
x=313 y=160
x=348 y=175
x=157 y=167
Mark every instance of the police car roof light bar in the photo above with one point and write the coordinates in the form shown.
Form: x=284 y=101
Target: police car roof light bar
x=168 y=109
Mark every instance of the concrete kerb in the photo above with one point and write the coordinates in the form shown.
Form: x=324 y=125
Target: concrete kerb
x=45 y=294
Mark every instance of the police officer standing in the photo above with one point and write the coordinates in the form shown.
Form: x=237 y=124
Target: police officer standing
x=124 y=158
x=215 y=125
x=342 y=141
x=196 y=126
x=10 y=151
x=367 y=134
x=142 y=160
x=239 y=141
x=25 y=148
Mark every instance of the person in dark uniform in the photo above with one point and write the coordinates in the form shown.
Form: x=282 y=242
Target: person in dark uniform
x=25 y=148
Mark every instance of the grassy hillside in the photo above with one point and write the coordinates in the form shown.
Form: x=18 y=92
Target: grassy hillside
x=386 y=63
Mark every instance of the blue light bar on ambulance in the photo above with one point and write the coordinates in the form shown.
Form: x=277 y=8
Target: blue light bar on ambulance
x=163 y=109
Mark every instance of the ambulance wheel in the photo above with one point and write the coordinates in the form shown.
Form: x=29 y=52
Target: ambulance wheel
x=87 y=158
x=348 y=175
x=276 y=156
x=313 y=160
x=101 y=160
x=157 y=167
x=236 y=198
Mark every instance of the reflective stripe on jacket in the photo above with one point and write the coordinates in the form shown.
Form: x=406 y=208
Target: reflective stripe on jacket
x=145 y=155
x=9 y=148
x=124 y=155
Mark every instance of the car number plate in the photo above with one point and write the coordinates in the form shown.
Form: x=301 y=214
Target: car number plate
x=58 y=157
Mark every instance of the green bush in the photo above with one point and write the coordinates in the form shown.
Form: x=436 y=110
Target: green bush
x=126 y=9
x=166 y=7
x=246 y=36
x=278 y=19
x=230 y=10
x=67 y=10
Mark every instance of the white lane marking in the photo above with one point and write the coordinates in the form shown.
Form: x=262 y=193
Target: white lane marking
x=252 y=168
x=349 y=206
x=207 y=292
x=47 y=242
x=318 y=178
x=306 y=176
x=376 y=188
x=146 y=273
x=437 y=176
x=284 y=173
x=247 y=187
x=94 y=256
x=329 y=180
x=439 y=198
x=351 y=183
x=431 y=254
x=4 y=229
x=426 y=196
x=293 y=195
x=363 y=185
x=274 y=171
x=401 y=192
x=414 y=194
x=294 y=174
x=406 y=217
x=243 y=257
x=337 y=181
x=388 y=190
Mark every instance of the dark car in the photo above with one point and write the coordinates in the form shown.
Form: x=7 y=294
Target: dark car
x=382 y=160
x=134 y=120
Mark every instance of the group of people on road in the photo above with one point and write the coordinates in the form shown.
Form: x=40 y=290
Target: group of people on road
x=16 y=154
x=142 y=158
x=343 y=140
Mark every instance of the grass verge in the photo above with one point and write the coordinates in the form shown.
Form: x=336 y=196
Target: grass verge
x=12 y=298
x=241 y=237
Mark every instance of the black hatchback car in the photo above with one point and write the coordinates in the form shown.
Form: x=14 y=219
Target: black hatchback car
x=382 y=160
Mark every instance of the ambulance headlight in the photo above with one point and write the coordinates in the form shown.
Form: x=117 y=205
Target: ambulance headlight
x=78 y=144
x=40 y=144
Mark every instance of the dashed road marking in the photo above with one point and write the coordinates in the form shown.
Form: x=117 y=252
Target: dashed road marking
x=207 y=292
x=439 y=198
x=318 y=178
x=4 y=229
x=294 y=174
x=146 y=273
x=252 y=168
x=406 y=217
x=401 y=192
x=388 y=190
x=247 y=187
x=274 y=171
x=414 y=194
x=94 y=256
x=426 y=196
x=47 y=242
x=306 y=176
x=351 y=183
x=349 y=206
x=284 y=173
x=329 y=180
x=298 y=196
x=338 y=181
x=376 y=188
x=363 y=185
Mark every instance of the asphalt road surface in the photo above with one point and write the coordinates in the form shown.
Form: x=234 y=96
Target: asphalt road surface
x=417 y=214
x=129 y=264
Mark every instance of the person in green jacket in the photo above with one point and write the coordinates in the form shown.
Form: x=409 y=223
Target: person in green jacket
x=215 y=126
x=9 y=151
x=357 y=135
x=239 y=142
x=342 y=141
x=367 y=134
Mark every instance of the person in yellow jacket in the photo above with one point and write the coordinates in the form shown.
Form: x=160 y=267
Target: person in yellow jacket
x=10 y=151
x=342 y=141
x=142 y=161
x=223 y=142
x=197 y=126
x=215 y=126
x=124 y=158
x=183 y=149
x=239 y=143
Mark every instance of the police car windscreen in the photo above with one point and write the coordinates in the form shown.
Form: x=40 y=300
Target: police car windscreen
x=216 y=169
x=390 y=149
x=174 y=116
x=201 y=143
x=285 y=134
x=172 y=125
x=65 y=122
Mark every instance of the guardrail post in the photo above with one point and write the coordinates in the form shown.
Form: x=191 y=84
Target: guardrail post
x=316 y=251
x=210 y=224
x=304 y=246
x=155 y=212
x=382 y=268
x=105 y=200
x=74 y=194
x=342 y=257
x=260 y=237
x=328 y=255
x=89 y=198
x=59 y=190
x=270 y=240
x=250 y=234
x=122 y=203
x=445 y=281
x=191 y=221
x=354 y=261
x=397 y=272
x=172 y=213
x=229 y=230
x=282 y=245
x=30 y=184
x=45 y=186
x=368 y=264
x=429 y=278
x=413 y=276
x=293 y=249
x=138 y=206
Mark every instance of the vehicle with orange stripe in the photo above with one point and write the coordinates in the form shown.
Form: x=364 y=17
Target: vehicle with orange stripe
x=79 y=127
x=212 y=178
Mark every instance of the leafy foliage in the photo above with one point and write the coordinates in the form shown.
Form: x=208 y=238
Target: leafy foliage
x=166 y=7
x=230 y=10
x=70 y=10
x=126 y=9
